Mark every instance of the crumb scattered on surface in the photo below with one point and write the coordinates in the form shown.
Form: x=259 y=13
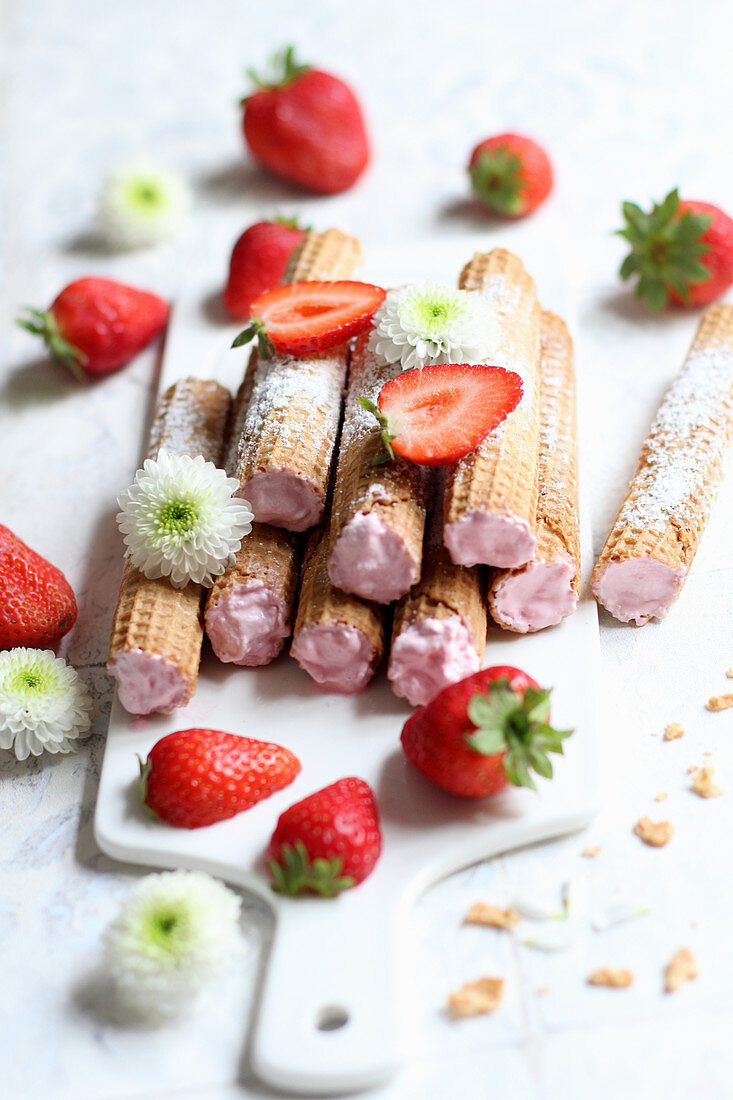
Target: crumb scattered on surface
x=476 y=998
x=654 y=833
x=491 y=915
x=613 y=977
x=680 y=968
x=692 y=768
x=655 y=735
x=720 y=702
x=543 y=991
x=673 y=731
x=591 y=851
x=702 y=783
x=660 y=797
x=729 y=673
x=707 y=753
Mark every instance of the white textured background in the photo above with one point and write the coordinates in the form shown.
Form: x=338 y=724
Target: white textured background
x=630 y=99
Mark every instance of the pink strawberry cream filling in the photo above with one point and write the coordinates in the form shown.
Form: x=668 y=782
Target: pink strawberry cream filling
x=486 y=538
x=147 y=683
x=370 y=560
x=638 y=589
x=248 y=624
x=337 y=656
x=283 y=499
x=539 y=595
x=428 y=656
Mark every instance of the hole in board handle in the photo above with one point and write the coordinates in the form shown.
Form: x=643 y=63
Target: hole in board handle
x=332 y=1018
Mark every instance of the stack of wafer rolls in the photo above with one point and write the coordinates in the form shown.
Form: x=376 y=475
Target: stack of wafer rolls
x=155 y=648
x=249 y=607
x=491 y=494
x=289 y=433
x=650 y=549
x=545 y=590
x=378 y=512
x=439 y=629
x=338 y=638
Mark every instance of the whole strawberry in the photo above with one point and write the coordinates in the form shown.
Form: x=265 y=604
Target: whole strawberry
x=327 y=842
x=682 y=251
x=95 y=326
x=196 y=777
x=485 y=731
x=37 y=604
x=511 y=174
x=306 y=126
x=258 y=263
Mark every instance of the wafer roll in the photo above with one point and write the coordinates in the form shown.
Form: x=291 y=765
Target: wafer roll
x=439 y=629
x=653 y=542
x=545 y=590
x=287 y=442
x=249 y=607
x=155 y=648
x=491 y=494
x=378 y=512
x=338 y=639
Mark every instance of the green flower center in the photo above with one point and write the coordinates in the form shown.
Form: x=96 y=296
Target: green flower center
x=177 y=517
x=167 y=928
x=146 y=195
x=31 y=681
x=433 y=314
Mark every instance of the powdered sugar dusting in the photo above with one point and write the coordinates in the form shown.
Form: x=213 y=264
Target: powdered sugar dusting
x=191 y=420
x=681 y=465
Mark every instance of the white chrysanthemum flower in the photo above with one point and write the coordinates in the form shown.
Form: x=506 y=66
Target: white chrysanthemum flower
x=181 y=520
x=431 y=323
x=141 y=204
x=43 y=703
x=174 y=932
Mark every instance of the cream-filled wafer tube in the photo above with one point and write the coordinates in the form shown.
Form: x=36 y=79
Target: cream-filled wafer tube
x=338 y=638
x=250 y=606
x=378 y=512
x=439 y=629
x=653 y=542
x=157 y=632
x=545 y=590
x=491 y=494
x=287 y=441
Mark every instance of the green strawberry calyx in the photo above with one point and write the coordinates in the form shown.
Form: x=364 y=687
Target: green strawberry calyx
x=496 y=178
x=142 y=786
x=297 y=874
x=256 y=331
x=387 y=433
x=290 y=223
x=666 y=247
x=43 y=323
x=517 y=725
x=284 y=69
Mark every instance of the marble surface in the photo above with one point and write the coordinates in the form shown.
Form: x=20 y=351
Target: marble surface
x=629 y=99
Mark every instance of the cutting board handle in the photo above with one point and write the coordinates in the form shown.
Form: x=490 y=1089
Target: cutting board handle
x=328 y=1017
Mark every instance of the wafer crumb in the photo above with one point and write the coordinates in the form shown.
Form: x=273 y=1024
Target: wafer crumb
x=707 y=753
x=543 y=991
x=660 y=797
x=476 y=998
x=720 y=702
x=613 y=977
x=702 y=783
x=729 y=673
x=591 y=851
x=491 y=915
x=673 y=731
x=680 y=968
x=654 y=833
x=692 y=768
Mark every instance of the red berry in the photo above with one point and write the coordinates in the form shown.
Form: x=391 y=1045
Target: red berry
x=37 y=604
x=511 y=174
x=307 y=127
x=196 y=777
x=435 y=415
x=482 y=732
x=327 y=842
x=681 y=251
x=258 y=263
x=308 y=317
x=95 y=326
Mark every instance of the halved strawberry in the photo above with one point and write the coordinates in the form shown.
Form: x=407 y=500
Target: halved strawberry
x=307 y=317
x=437 y=414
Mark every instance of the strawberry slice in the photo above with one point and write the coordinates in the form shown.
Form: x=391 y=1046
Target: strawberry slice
x=307 y=317
x=437 y=414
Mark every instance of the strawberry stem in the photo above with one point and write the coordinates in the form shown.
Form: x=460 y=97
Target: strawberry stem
x=43 y=323
x=387 y=434
x=256 y=330
x=284 y=70
x=142 y=784
x=296 y=874
x=518 y=726
x=496 y=180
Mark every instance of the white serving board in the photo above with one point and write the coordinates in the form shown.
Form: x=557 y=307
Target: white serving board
x=336 y=960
